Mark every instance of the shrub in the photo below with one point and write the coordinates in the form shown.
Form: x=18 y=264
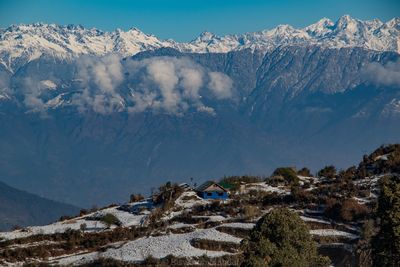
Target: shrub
x=304 y=172
x=352 y=210
x=301 y=196
x=110 y=219
x=64 y=218
x=350 y=173
x=213 y=245
x=368 y=230
x=250 y=211
x=275 y=180
x=83 y=227
x=168 y=193
x=83 y=212
x=16 y=227
x=150 y=261
x=347 y=210
x=327 y=172
x=234 y=182
x=136 y=198
x=281 y=238
x=289 y=175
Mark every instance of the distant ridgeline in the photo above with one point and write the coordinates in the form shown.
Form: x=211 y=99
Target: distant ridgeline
x=19 y=209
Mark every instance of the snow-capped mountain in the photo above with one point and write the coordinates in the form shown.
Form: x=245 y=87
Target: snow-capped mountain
x=346 y=32
x=22 y=43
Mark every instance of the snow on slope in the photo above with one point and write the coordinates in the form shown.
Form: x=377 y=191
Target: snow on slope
x=239 y=225
x=127 y=219
x=22 y=43
x=159 y=247
x=333 y=232
x=58 y=227
x=266 y=188
x=175 y=244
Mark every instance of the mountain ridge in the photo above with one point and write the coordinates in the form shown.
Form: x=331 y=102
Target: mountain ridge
x=22 y=43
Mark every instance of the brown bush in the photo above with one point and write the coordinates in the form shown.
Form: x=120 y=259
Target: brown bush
x=352 y=210
x=64 y=218
x=250 y=212
x=304 y=172
x=347 y=210
x=83 y=212
x=238 y=232
x=136 y=197
x=215 y=245
x=301 y=196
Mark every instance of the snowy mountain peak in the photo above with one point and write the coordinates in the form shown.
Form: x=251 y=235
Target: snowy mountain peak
x=394 y=23
x=346 y=23
x=135 y=30
x=321 y=27
x=205 y=36
x=22 y=43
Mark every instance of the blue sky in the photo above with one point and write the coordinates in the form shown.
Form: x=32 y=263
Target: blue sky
x=184 y=20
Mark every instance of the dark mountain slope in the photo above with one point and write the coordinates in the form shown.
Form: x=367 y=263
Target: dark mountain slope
x=22 y=208
x=294 y=106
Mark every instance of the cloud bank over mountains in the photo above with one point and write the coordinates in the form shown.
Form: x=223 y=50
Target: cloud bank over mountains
x=108 y=84
x=175 y=84
x=100 y=78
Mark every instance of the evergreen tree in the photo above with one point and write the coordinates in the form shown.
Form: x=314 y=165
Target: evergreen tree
x=281 y=238
x=327 y=172
x=386 y=244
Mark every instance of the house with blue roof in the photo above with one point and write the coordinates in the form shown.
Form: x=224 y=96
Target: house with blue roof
x=212 y=190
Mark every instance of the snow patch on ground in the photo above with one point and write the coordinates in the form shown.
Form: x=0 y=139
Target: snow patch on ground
x=189 y=199
x=58 y=227
x=309 y=219
x=265 y=187
x=362 y=200
x=180 y=225
x=239 y=225
x=75 y=259
x=127 y=219
x=212 y=218
x=177 y=245
x=332 y=232
x=382 y=157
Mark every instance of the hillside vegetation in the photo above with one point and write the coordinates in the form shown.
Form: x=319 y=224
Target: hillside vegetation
x=291 y=218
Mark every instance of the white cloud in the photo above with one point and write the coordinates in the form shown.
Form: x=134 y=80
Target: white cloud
x=174 y=84
x=220 y=84
x=100 y=78
x=161 y=84
x=32 y=89
x=192 y=81
x=387 y=75
x=163 y=73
